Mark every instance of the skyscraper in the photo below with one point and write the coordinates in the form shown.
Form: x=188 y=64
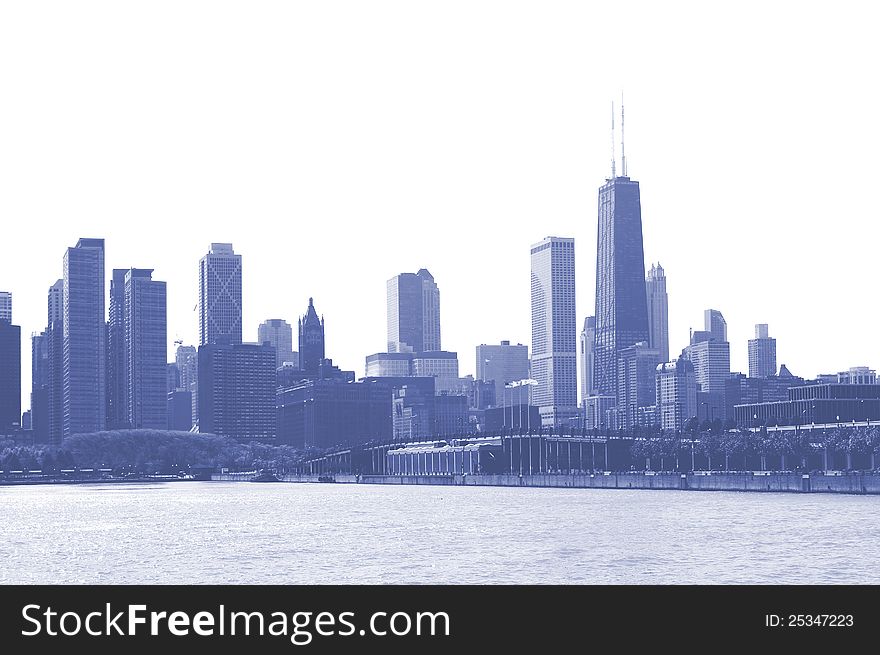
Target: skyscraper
x=237 y=391
x=554 y=330
x=413 y=313
x=762 y=353
x=220 y=299
x=636 y=385
x=621 y=298
x=187 y=360
x=711 y=361
x=311 y=340
x=587 y=343
x=279 y=335
x=117 y=413
x=56 y=302
x=676 y=394
x=503 y=364
x=40 y=386
x=658 y=311
x=6 y=306
x=146 y=346
x=55 y=347
x=84 y=394
x=10 y=371
x=715 y=324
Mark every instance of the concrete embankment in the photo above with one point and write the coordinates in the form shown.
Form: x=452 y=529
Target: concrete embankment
x=852 y=483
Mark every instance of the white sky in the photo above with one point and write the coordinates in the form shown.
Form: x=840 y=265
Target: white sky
x=336 y=144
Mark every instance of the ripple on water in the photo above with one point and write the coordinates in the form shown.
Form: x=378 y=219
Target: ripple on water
x=287 y=533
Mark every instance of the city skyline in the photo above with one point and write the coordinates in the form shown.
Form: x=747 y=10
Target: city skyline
x=495 y=173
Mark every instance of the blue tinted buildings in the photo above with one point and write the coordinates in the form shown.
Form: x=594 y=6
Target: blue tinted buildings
x=146 y=346
x=413 y=313
x=84 y=400
x=621 y=301
x=10 y=372
x=220 y=295
x=554 y=330
x=237 y=391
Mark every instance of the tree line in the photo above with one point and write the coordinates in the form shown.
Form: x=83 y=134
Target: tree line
x=148 y=452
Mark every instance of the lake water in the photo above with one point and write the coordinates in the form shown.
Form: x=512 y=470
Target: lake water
x=228 y=532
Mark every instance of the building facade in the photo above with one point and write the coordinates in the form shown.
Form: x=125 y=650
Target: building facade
x=762 y=353
x=815 y=404
x=621 y=300
x=676 y=394
x=220 y=300
x=237 y=391
x=327 y=413
x=146 y=348
x=10 y=376
x=637 y=385
x=117 y=392
x=84 y=390
x=587 y=360
x=715 y=325
x=502 y=364
x=187 y=360
x=6 y=306
x=413 y=313
x=40 y=386
x=658 y=311
x=55 y=347
x=278 y=333
x=311 y=340
x=554 y=330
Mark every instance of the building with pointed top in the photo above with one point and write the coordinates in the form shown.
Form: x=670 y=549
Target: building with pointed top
x=658 y=311
x=311 y=340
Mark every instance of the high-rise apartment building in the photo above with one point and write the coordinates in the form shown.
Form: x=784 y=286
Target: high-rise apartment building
x=117 y=412
x=146 y=350
x=55 y=347
x=554 y=330
x=220 y=299
x=84 y=391
x=237 y=385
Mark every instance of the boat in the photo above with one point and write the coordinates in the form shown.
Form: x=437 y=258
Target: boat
x=265 y=476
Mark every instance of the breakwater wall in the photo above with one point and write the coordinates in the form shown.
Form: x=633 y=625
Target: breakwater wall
x=848 y=483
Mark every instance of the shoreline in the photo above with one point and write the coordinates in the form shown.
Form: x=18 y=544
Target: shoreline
x=755 y=482
x=862 y=484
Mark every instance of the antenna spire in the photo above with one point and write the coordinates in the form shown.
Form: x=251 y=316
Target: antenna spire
x=613 y=158
x=622 y=150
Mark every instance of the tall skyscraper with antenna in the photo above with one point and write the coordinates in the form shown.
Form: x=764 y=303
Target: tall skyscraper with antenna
x=621 y=300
